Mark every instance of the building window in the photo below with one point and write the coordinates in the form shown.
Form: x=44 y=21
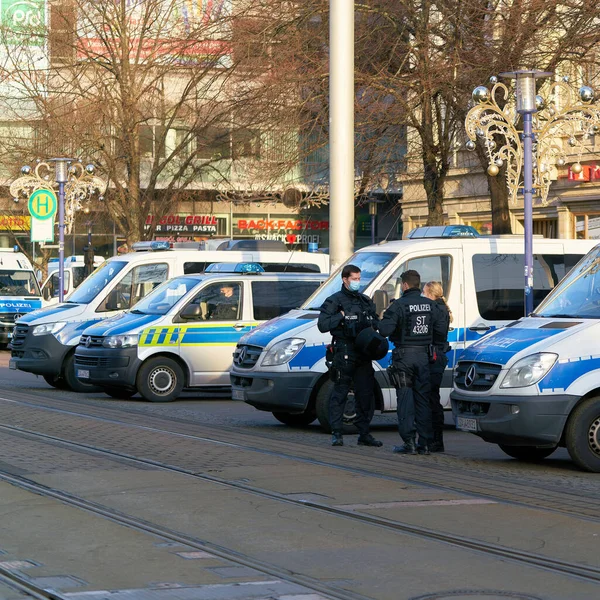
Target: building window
x=152 y=140
x=587 y=226
x=213 y=143
x=245 y=144
x=62 y=32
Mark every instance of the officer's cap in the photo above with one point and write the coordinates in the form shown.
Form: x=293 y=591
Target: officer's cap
x=372 y=344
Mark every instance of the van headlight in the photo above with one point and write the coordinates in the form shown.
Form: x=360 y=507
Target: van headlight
x=529 y=370
x=48 y=328
x=282 y=352
x=120 y=341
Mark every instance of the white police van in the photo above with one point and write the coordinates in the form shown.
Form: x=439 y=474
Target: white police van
x=19 y=291
x=280 y=366
x=44 y=341
x=183 y=334
x=535 y=385
x=74 y=274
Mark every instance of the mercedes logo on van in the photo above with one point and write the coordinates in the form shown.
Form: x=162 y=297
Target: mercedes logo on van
x=241 y=357
x=470 y=376
x=17 y=317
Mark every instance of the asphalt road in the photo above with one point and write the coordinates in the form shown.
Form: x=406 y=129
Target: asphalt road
x=209 y=499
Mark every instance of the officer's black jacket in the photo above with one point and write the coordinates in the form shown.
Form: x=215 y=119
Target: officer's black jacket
x=412 y=320
x=440 y=335
x=352 y=303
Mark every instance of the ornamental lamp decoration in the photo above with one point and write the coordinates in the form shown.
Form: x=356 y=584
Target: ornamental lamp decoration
x=563 y=121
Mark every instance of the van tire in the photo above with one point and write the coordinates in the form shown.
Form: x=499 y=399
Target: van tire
x=296 y=420
x=527 y=453
x=582 y=435
x=322 y=407
x=74 y=384
x=119 y=393
x=56 y=381
x=160 y=379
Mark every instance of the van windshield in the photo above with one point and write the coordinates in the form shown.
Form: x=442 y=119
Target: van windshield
x=577 y=296
x=165 y=296
x=18 y=283
x=96 y=282
x=370 y=265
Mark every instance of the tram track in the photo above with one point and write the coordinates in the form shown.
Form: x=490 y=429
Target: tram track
x=581 y=571
x=419 y=473
x=23 y=585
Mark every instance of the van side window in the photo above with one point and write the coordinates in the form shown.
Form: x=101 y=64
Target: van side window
x=273 y=298
x=134 y=286
x=431 y=268
x=220 y=301
x=499 y=281
x=290 y=267
x=194 y=267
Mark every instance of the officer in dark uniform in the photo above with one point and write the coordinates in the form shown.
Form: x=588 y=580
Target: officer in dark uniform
x=345 y=314
x=226 y=306
x=410 y=322
x=434 y=291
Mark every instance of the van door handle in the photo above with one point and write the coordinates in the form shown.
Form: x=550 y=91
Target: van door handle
x=480 y=328
x=239 y=326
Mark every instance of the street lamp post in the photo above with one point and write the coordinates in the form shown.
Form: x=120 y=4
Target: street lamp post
x=531 y=159
x=75 y=184
x=525 y=91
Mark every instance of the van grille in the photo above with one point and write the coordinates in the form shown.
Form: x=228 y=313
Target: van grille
x=19 y=335
x=101 y=361
x=245 y=357
x=90 y=340
x=476 y=376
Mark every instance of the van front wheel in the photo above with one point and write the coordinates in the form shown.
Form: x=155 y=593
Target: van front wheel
x=527 y=453
x=298 y=420
x=71 y=381
x=582 y=435
x=322 y=408
x=160 y=379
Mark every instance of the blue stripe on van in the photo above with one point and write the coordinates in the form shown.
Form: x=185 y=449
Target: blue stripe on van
x=563 y=374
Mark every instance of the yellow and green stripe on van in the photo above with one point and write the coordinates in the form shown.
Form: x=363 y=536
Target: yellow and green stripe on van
x=204 y=334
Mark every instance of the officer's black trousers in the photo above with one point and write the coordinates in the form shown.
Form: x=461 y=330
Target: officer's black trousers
x=351 y=370
x=413 y=405
x=437 y=412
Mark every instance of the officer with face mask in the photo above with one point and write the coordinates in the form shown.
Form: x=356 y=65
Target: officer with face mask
x=346 y=314
x=410 y=323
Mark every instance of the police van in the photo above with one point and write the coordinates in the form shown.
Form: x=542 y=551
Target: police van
x=535 y=385
x=483 y=283
x=44 y=342
x=74 y=274
x=183 y=334
x=19 y=291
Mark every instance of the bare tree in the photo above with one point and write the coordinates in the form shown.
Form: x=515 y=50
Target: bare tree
x=162 y=98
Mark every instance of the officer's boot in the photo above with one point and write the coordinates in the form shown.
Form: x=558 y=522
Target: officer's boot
x=408 y=447
x=366 y=439
x=337 y=439
x=438 y=441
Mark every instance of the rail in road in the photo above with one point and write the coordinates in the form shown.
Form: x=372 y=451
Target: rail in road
x=480 y=483
x=585 y=572
x=106 y=429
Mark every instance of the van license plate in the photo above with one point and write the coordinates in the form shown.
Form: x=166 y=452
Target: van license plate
x=466 y=424
x=83 y=374
x=12 y=363
x=238 y=395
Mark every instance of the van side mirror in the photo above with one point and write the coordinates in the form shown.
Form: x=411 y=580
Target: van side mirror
x=191 y=311
x=382 y=301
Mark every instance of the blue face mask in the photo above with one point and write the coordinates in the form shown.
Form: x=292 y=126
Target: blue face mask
x=354 y=286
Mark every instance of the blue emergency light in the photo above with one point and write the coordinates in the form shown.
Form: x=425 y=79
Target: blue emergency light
x=443 y=231
x=234 y=268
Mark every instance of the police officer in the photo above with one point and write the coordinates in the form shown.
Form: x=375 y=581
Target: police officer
x=410 y=322
x=345 y=314
x=434 y=291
